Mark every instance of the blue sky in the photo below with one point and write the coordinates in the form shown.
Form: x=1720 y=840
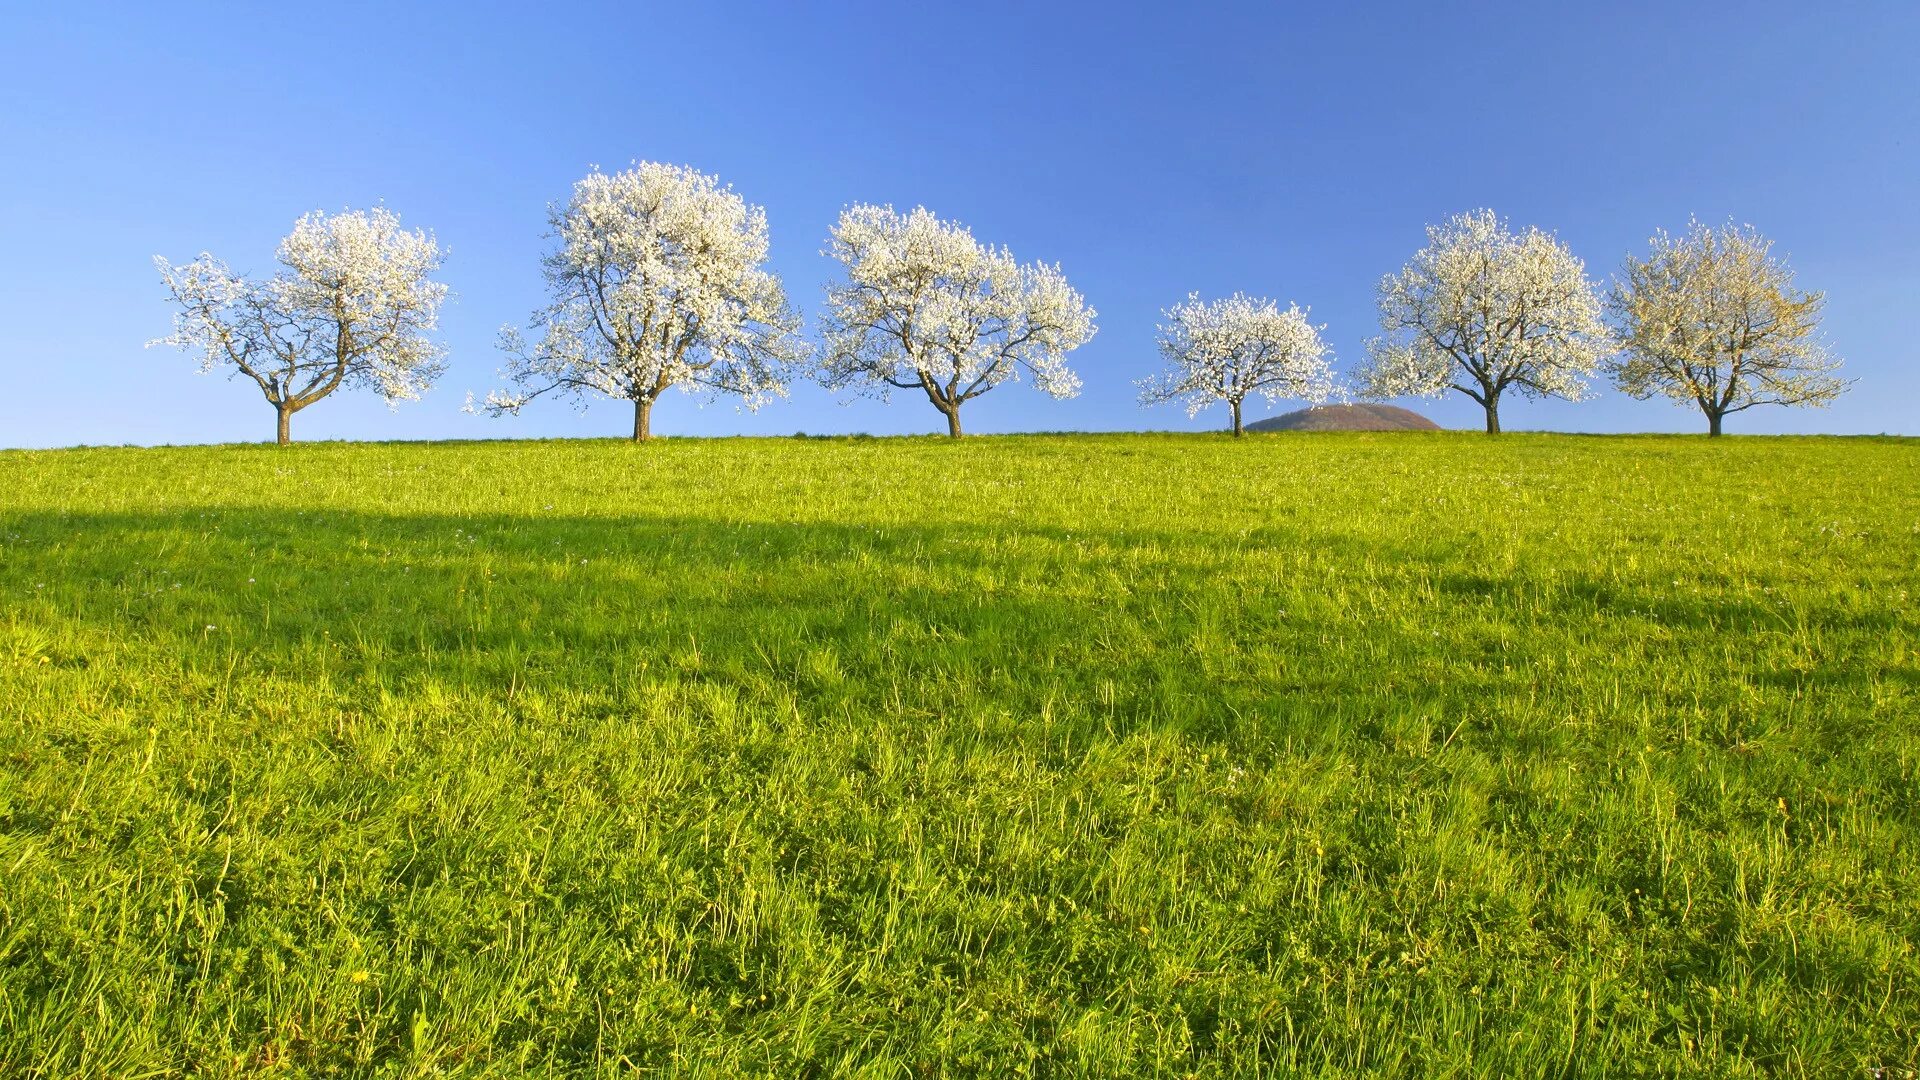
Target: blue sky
x=1286 y=150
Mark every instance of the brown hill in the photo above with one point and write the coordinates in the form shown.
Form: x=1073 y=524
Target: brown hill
x=1347 y=418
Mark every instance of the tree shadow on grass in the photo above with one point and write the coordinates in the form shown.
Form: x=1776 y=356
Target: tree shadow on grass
x=1135 y=624
x=906 y=619
x=1597 y=594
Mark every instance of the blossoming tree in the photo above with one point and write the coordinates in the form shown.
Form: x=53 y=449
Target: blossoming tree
x=1227 y=350
x=1711 y=319
x=926 y=307
x=352 y=306
x=1481 y=310
x=657 y=280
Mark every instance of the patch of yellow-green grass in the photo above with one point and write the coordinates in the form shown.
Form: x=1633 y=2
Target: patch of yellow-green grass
x=1302 y=755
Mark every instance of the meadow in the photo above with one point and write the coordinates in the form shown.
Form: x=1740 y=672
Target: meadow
x=1299 y=755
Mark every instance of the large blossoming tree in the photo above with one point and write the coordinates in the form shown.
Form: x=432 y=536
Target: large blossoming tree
x=1482 y=310
x=351 y=306
x=1712 y=319
x=1228 y=350
x=657 y=279
x=926 y=307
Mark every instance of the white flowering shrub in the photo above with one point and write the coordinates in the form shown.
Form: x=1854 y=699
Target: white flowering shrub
x=1227 y=350
x=1481 y=310
x=923 y=306
x=657 y=279
x=352 y=306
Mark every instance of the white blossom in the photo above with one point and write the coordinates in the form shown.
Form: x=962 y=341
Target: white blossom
x=657 y=279
x=1711 y=319
x=352 y=306
x=1481 y=310
x=1226 y=350
x=924 y=306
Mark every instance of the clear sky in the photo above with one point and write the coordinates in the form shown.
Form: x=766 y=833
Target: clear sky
x=1295 y=151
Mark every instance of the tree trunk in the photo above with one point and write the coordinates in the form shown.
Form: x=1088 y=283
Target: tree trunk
x=1237 y=429
x=953 y=422
x=642 y=419
x=1713 y=424
x=285 y=433
x=1493 y=416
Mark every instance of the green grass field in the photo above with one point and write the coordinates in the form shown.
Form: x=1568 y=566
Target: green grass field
x=1310 y=755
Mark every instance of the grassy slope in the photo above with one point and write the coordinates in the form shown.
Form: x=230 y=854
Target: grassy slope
x=1303 y=755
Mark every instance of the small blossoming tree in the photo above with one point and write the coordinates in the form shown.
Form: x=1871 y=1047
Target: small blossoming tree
x=658 y=279
x=1481 y=311
x=1712 y=319
x=1227 y=350
x=351 y=307
x=926 y=307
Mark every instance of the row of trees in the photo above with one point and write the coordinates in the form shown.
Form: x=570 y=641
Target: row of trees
x=1708 y=318
x=657 y=278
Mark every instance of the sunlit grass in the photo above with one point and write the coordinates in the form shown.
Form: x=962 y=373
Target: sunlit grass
x=1093 y=755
